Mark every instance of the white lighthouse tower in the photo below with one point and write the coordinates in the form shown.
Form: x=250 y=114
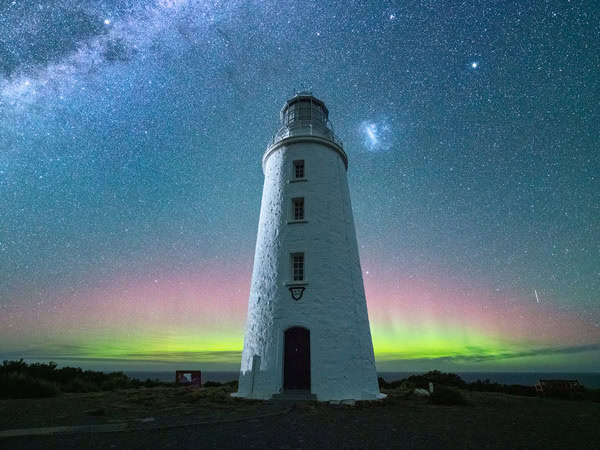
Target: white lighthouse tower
x=308 y=327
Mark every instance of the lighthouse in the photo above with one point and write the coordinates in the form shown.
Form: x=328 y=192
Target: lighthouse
x=307 y=331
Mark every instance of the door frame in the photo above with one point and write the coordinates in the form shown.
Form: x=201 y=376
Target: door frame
x=282 y=354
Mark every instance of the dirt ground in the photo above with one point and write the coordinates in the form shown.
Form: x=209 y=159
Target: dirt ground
x=209 y=418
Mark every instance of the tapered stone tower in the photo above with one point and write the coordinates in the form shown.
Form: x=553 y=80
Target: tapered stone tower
x=308 y=327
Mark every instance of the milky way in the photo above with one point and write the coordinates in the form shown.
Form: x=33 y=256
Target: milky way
x=131 y=137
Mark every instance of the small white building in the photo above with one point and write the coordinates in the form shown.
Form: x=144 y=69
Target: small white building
x=308 y=326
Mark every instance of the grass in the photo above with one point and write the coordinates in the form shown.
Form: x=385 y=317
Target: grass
x=21 y=380
x=20 y=385
x=447 y=396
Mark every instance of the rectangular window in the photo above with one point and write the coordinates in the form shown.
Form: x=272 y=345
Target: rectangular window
x=298 y=267
x=304 y=108
x=299 y=169
x=298 y=205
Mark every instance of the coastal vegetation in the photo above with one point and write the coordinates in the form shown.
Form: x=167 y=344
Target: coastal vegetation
x=449 y=388
x=19 y=379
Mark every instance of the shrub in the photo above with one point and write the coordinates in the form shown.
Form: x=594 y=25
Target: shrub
x=593 y=395
x=118 y=381
x=422 y=381
x=214 y=394
x=402 y=385
x=79 y=385
x=232 y=384
x=447 y=396
x=19 y=385
x=19 y=379
x=408 y=386
x=72 y=379
x=382 y=383
x=151 y=383
x=437 y=378
x=513 y=389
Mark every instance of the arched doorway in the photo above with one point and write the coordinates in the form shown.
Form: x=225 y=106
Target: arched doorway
x=296 y=359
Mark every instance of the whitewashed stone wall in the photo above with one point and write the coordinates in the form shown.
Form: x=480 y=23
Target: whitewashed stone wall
x=333 y=306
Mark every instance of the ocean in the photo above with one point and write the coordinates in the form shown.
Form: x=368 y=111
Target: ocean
x=589 y=380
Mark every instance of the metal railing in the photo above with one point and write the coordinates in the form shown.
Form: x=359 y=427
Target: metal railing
x=304 y=128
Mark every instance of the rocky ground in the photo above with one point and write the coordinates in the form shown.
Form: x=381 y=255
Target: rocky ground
x=209 y=418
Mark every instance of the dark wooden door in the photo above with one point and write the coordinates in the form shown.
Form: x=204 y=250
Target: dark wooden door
x=296 y=359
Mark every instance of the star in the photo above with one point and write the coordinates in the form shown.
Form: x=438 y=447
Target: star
x=125 y=124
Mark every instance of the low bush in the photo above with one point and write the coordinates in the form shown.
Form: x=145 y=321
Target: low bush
x=447 y=396
x=569 y=395
x=513 y=389
x=19 y=385
x=441 y=380
x=382 y=383
x=212 y=394
x=593 y=395
x=230 y=384
x=422 y=381
x=119 y=381
x=148 y=383
x=437 y=378
x=47 y=380
x=78 y=385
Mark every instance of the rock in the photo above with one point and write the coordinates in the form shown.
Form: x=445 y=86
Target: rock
x=421 y=393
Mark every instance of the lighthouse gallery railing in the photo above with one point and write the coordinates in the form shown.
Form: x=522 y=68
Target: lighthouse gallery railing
x=304 y=128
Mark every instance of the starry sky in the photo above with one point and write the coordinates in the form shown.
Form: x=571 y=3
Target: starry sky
x=131 y=138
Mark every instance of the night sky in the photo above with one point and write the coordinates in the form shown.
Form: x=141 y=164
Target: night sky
x=131 y=138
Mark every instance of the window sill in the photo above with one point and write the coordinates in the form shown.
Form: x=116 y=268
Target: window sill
x=291 y=222
x=296 y=283
x=296 y=180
